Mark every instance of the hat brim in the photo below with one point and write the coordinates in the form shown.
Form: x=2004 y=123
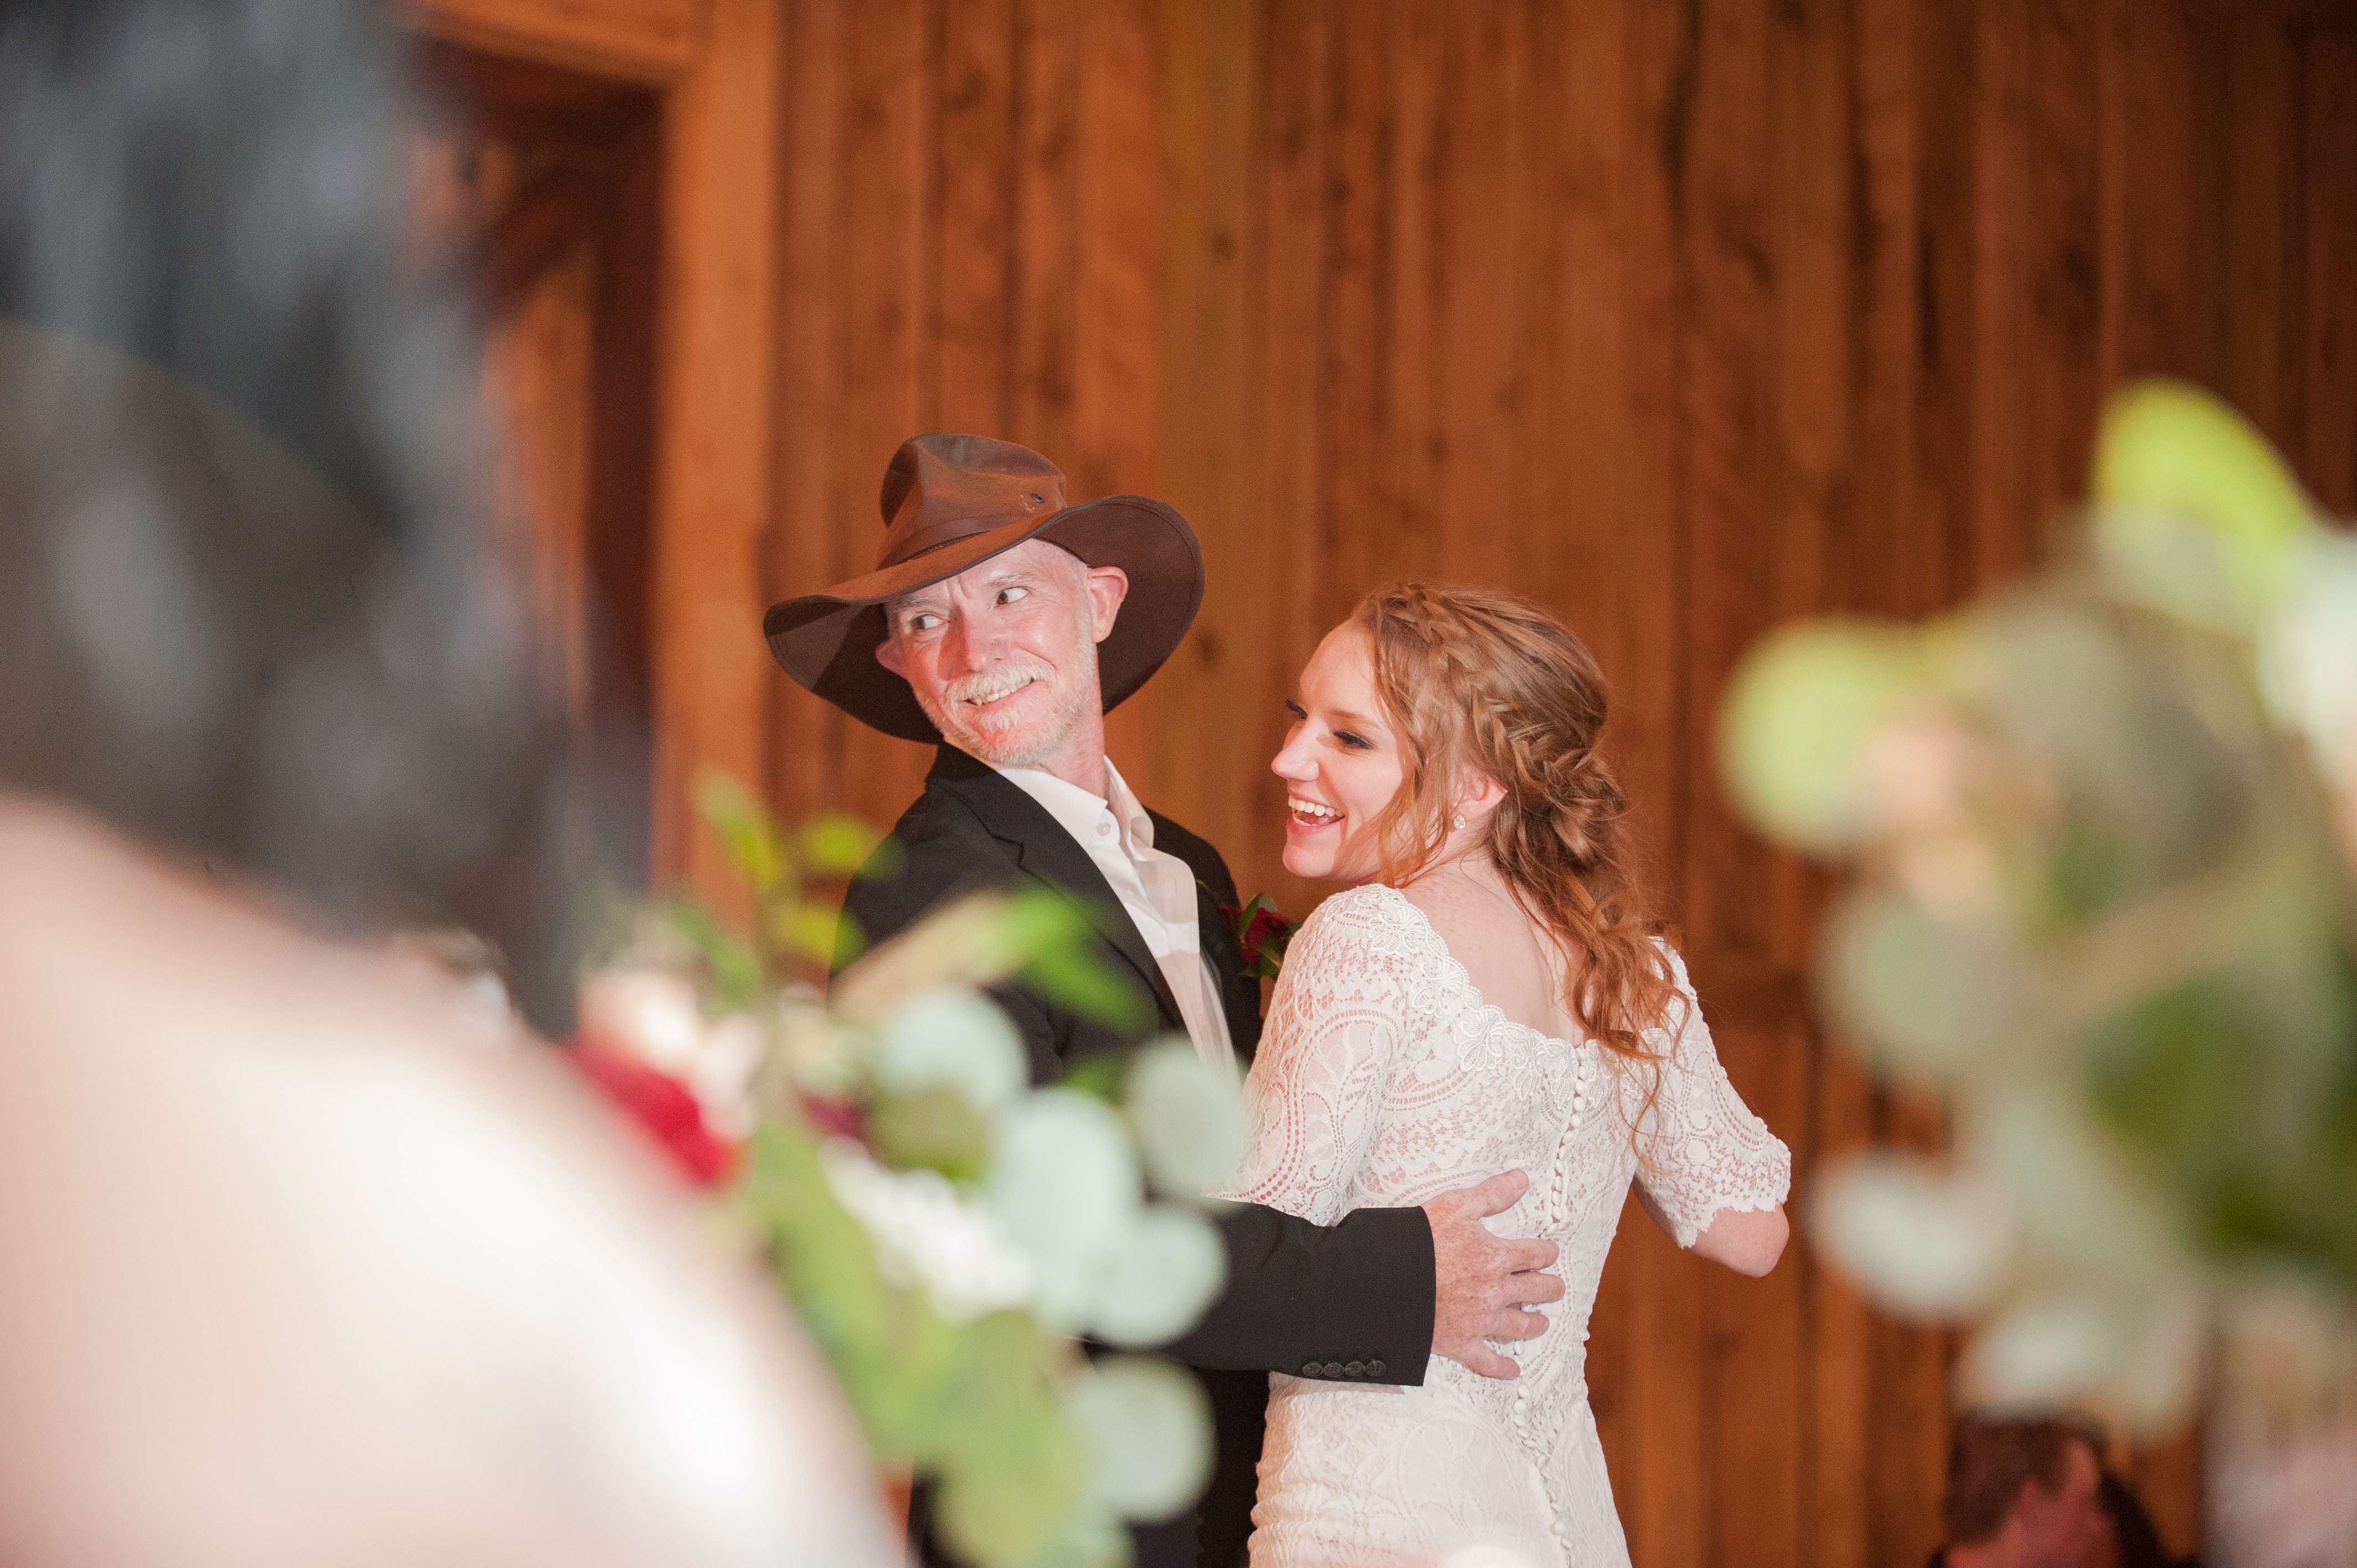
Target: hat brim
x=827 y=641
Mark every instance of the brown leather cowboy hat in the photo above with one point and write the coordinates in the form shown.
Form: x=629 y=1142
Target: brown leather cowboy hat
x=951 y=503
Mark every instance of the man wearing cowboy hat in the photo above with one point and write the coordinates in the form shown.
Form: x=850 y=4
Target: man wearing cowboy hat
x=1001 y=625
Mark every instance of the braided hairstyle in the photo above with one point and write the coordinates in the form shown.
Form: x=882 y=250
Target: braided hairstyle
x=1479 y=681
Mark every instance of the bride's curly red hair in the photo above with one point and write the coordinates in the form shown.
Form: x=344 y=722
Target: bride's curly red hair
x=1486 y=682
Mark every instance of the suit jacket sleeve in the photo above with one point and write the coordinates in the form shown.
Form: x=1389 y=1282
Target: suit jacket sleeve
x=1301 y=1297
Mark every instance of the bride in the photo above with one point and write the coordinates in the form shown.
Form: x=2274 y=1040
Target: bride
x=1487 y=995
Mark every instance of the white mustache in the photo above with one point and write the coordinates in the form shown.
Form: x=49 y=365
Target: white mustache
x=998 y=681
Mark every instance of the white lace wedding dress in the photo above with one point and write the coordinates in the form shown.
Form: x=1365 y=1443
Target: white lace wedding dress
x=1382 y=1078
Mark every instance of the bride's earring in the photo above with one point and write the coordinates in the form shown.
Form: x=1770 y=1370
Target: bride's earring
x=1457 y=821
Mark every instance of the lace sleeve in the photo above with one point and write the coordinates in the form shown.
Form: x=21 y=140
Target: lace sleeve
x=1318 y=1081
x=1703 y=1150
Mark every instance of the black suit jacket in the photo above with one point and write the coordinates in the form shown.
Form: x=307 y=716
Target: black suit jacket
x=1351 y=1302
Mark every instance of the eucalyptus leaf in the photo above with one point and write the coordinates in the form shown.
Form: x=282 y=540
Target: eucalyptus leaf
x=1147 y=1431
x=1797 y=716
x=931 y=1128
x=1064 y=1183
x=2171 y=450
x=838 y=845
x=1188 y=1119
x=745 y=829
x=1930 y=1001
x=954 y=1039
x=1008 y=1500
x=1157 y=1278
x=1077 y=980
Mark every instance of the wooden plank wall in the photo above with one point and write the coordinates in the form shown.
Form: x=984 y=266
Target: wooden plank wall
x=1684 y=318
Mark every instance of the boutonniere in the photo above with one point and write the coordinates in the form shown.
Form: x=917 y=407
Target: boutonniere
x=1261 y=935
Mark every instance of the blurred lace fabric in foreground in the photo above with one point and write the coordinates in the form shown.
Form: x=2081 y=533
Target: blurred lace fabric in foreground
x=2105 y=824
x=301 y=1272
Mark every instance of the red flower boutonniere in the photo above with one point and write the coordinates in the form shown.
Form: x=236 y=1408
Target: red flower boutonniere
x=1261 y=934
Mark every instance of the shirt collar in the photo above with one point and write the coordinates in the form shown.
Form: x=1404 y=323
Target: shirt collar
x=1135 y=825
x=1078 y=811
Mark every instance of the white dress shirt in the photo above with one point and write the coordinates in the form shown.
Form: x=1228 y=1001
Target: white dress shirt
x=1157 y=890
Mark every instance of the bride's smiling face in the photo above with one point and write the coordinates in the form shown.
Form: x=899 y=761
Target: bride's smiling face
x=1341 y=763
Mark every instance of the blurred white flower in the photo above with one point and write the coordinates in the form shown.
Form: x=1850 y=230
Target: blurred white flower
x=1929 y=1244
x=719 y=1073
x=1145 y=1427
x=654 y=1017
x=1159 y=1277
x=2048 y=1350
x=2134 y=1357
x=927 y=1236
x=952 y=1039
x=650 y=1013
x=1189 y=1119
x=818 y=1053
x=2307 y=655
x=1063 y=1184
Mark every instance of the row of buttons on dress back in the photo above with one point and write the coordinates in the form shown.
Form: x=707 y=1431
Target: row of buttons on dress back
x=1342 y=1370
x=1557 y=1209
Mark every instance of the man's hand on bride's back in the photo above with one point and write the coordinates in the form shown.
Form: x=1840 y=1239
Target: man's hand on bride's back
x=1482 y=1284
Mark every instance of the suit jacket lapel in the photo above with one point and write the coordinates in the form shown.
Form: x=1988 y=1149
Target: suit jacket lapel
x=1044 y=850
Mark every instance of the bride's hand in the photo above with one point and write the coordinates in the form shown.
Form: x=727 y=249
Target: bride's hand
x=1482 y=1282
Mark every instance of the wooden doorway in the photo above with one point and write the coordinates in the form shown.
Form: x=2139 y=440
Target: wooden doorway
x=539 y=188
x=606 y=173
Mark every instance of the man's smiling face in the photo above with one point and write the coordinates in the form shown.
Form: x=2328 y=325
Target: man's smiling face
x=1003 y=657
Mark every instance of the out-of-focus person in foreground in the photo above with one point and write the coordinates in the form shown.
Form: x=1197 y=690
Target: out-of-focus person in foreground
x=298 y=1275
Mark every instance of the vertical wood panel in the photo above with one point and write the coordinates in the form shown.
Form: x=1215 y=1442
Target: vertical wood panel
x=966 y=379
x=1118 y=221
x=714 y=423
x=2036 y=239
x=1209 y=113
x=1480 y=219
x=2159 y=173
x=806 y=735
x=1405 y=527
x=1288 y=470
x=882 y=233
x=2329 y=290
x=1358 y=307
x=2258 y=321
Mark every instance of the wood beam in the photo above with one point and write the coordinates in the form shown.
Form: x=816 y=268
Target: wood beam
x=715 y=393
x=638 y=40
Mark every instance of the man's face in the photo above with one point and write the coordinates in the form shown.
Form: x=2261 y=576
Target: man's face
x=1003 y=658
x=2061 y=1527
